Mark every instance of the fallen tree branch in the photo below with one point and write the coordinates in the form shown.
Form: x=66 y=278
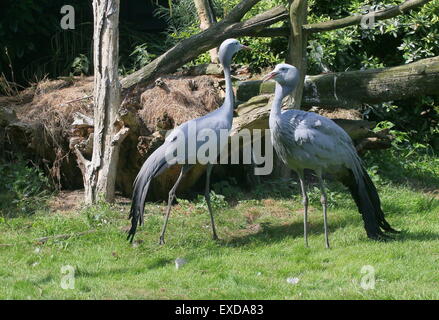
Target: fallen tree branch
x=254 y=114
x=75 y=100
x=353 y=88
x=356 y=19
x=269 y=32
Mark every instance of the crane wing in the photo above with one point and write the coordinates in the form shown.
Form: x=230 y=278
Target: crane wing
x=315 y=140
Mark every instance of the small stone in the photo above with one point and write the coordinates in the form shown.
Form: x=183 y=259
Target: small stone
x=293 y=280
x=179 y=262
x=37 y=250
x=259 y=273
x=136 y=243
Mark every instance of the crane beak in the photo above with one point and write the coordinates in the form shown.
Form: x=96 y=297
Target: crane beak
x=269 y=76
x=243 y=47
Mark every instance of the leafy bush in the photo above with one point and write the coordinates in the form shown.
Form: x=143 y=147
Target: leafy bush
x=24 y=189
x=81 y=65
x=217 y=201
x=403 y=39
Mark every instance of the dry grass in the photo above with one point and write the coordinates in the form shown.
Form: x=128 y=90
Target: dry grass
x=48 y=105
x=181 y=99
x=338 y=113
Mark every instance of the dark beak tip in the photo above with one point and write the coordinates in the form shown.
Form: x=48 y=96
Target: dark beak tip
x=269 y=76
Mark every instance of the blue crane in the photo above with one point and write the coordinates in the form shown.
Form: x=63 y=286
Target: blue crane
x=306 y=140
x=164 y=156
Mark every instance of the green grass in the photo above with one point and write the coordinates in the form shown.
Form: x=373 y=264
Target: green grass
x=261 y=246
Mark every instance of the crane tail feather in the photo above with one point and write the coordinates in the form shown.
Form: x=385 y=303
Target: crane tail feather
x=376 y=203
x=152 y=167
x=366 y=197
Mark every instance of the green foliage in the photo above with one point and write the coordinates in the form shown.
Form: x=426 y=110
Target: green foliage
x=183 y=23
x=390 y=42
x=99 y=214
x=403 y=39
x=80 y=65
x=137 y=59
x=228 y=187
x=414 y=164
x=24 y=189
x=217 y=201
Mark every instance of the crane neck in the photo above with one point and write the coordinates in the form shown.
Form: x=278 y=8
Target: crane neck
x=279 y=93
x=229 y=102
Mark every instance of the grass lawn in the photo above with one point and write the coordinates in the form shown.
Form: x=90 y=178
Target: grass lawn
x=261 y=247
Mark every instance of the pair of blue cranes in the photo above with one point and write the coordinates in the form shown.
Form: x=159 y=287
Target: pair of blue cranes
x=302 y=140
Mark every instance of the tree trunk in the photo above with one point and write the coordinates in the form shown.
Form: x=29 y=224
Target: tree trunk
x=353 y=88
x=100 y=173
x=207 y=19
x=297 y=44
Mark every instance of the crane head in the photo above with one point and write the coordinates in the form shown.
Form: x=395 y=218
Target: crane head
x=228 y=48
x=284 y=74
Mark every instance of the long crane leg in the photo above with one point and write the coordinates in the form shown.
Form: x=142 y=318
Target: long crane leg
x=305 y=206
x=184 y=170
x=324 y=202
x=207 y=196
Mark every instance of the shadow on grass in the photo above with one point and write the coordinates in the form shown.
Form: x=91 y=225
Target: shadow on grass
x=276 y=233
x=270 y=233
x=392 y=168
x=419 y=205
x=149 y=265
x=417 y=236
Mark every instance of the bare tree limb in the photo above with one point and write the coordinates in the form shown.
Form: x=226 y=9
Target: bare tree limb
x=297 y=44
x=356 y=19
x=340 y=23
x=240 y=10
x=269 y=32
x=190 y=48
x=207 y=19
x=120 y=136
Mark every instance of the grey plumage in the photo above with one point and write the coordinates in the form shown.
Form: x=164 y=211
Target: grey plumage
x=306 y=140
x=163 y=157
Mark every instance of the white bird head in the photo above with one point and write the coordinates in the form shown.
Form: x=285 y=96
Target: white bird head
x=227 y=49
x=284 y=74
